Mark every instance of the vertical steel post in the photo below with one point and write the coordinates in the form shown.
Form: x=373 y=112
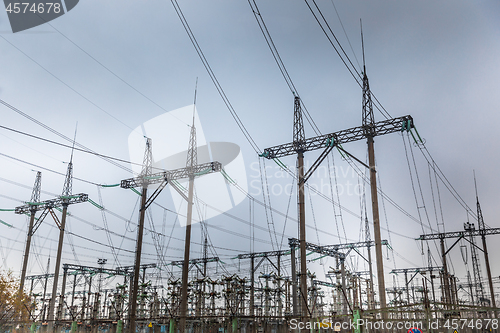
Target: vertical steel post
x=376 y=224
x=445 y=273
x=58 y=264
x=302 y=236
x=185 y=267
x=138 y=249
x=280 y=303
x=488 y=271
x=344 y=294
x=482 y=228
x=35 y=197
x=27 y=251
x=407 y=288
x=370 y=294
x=88 y=298
x=45 y=290
x=31 y=288
x=60 y=310
x=432 y=285
x=252 y=287
x=73 y=294
x=294 y=284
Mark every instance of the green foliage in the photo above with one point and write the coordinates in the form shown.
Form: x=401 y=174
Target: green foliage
x=14 y=308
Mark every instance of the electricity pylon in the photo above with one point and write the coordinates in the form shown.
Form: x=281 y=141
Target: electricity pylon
x=66 y=199
x=146 y=178
x=327 y=142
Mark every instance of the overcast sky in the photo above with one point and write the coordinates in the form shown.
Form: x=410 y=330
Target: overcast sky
x=113 y=65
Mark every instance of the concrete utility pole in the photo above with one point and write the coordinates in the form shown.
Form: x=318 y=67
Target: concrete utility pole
x=145 y=179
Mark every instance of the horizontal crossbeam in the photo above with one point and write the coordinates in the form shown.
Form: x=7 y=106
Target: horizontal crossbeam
x=196 y=261
x=52 y=203
x=130 y=269
x=39 y=277
x=90 y=270
x=340 y=137
x=326 y=284
x=354 y=245
x=416 y=270
x=263 y=254
x=170 y=175
x=295 y=243
x=455 y=234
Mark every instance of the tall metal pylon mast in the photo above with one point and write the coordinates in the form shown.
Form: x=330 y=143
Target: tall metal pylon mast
x=35 y=198
x=299 y=139
x=482 y=231
x=327 y=142
x=368 y=123
x=476 y=269
x=66 y=199
x=191 y=163
x=67 y=189
x=65 y=196
x=144 y=180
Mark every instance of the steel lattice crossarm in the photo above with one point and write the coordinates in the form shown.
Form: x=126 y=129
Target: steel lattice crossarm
x=197 y=170
x=91 y=270
x=41 y=276
x=355 y=245
x=130 y=269
x=400 y=290
x=455 y=234
x=416 y=270
x=332 y=273
x=295 y=243
x=52 y=203
x=341 y=137
x=195 y=261
x=323 y=283
x=263 y=254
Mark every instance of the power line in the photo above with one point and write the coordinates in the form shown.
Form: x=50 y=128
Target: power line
x=213 y=77
x=75 y=148
x=67 y=85
x=57 y=133
x=113 y=73
x=43 y=168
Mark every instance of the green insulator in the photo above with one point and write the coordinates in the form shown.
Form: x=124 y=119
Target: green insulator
x=119 y=326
